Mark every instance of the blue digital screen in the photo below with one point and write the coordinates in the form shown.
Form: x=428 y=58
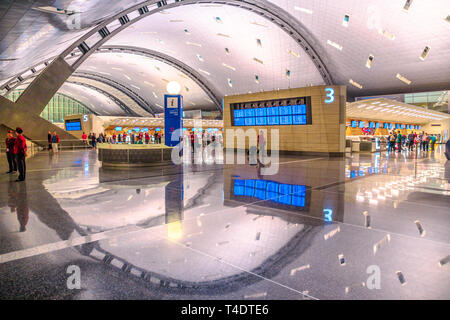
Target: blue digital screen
x=73 y=125
x=361 y=124
x=377 y=125
x=288 y=194
x=386 y=125
x=158 y=129
x=391 y=125
x=354 y=124
x=118 y=128
x=403 y=126
x=371 y=124
x=283 y=115
x=397 y=126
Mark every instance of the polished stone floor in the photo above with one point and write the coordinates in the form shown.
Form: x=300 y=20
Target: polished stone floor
x=319 y=229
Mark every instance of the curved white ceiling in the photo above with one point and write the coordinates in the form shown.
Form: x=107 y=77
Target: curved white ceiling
x=147 y=77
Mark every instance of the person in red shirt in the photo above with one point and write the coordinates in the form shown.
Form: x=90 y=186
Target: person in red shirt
x=20 y=151
x=84 y=137
x=9 y=141
x=147 y=138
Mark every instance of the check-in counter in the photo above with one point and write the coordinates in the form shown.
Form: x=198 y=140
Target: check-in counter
x=367 y=143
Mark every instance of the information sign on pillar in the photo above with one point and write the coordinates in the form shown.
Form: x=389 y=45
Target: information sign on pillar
x=173 y=119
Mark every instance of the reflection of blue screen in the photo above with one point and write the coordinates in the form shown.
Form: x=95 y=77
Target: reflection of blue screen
x=73 y=125
x=288 y=194
x=354 y=124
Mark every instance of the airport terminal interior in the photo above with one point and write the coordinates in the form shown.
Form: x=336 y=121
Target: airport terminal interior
x=225 y=150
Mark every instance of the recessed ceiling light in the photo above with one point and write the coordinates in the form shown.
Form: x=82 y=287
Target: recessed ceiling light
x=295 y=54
x=154 y=94
x=402 y=78
x=362 y=106
x=258 y=24
x=407 y=5
x=224 y=35
x=425 y=52
x=193 y=44
x=369 y=61
x=200 y=57
x=376 y=102
x=175 y=20
x=135 y=87
x=303 y=10
x=386 y=34
x=127 y=77
x=346 y=20
x=334 y=44
x=356 y=84
x=204 y=71
x=258 y=60
x=228 y=66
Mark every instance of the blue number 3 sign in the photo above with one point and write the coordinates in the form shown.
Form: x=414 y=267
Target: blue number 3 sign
x=330 y=95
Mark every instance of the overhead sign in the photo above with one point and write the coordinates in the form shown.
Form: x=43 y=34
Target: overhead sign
x=330 y=95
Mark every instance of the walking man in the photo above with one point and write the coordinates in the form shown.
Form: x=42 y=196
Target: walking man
x=20 y=151
x=10 y=140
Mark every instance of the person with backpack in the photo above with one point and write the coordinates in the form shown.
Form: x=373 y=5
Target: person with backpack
x=20 y=152
x=425 y=142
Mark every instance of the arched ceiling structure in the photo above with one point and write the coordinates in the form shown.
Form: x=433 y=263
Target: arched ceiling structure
x=247 y=46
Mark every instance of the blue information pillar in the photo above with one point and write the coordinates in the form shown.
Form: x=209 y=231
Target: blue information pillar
x=173 y=119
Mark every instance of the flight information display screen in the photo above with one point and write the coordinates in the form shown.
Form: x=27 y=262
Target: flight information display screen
x=354 y=124
x=73 y=125
x=271 y=116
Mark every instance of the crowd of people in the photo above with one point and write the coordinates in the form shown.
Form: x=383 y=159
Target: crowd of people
x=140 y=138
x=397 y=142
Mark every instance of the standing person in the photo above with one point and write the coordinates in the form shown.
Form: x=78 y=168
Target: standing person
x=410 y=141
x=425 y=142
x=10 y=141
x=433 y=142
x=191 y=136
x=94 y=140
x=84 y=137
x=49 y=138
x=399 y=141
x=133 y=138
x=159 y=137
x=147 y=138
x=55 y=142
x=20 y=152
